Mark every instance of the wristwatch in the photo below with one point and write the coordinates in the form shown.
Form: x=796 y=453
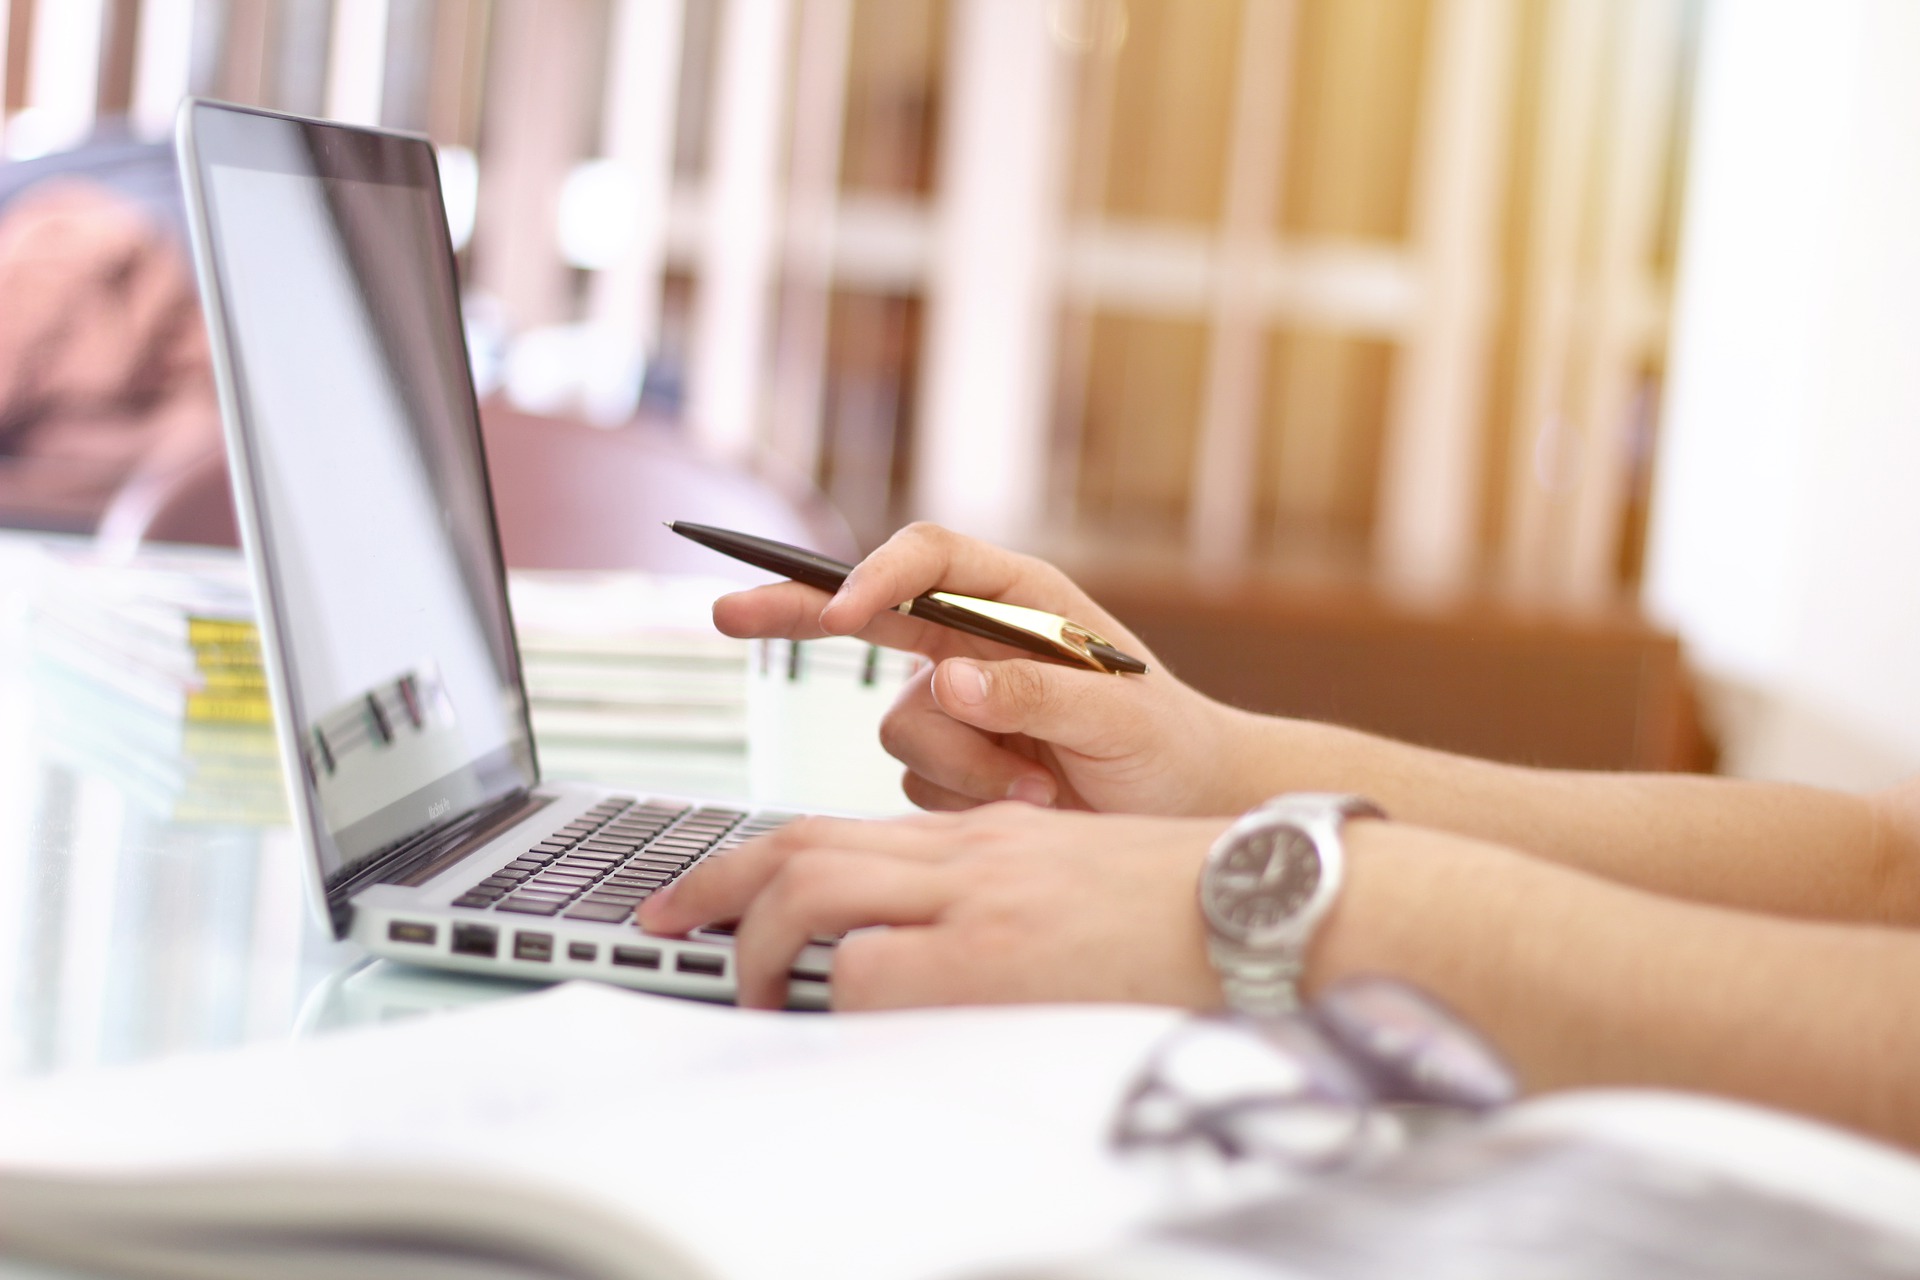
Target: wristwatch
x=1266 y=884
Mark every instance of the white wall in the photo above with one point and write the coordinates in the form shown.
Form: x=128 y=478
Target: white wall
x=1786 y=535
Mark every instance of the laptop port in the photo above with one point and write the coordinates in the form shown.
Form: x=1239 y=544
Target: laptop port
x=412 y=931
x=588 y=951
x=476 y=940
x=637 y=957
x=533 y=946
x=695 y=962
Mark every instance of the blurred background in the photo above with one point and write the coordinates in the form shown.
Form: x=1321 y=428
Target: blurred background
x=1530 y=377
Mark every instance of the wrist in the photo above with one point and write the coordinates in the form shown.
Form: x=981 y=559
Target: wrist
x=1258 y=756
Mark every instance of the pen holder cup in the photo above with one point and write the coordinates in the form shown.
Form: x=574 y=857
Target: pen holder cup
x=813 y=725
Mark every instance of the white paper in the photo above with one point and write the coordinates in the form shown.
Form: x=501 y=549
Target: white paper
x=767 y=1145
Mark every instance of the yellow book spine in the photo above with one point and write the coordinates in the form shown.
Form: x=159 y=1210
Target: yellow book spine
x=208 y=657
x=221 y=631
x=240 y=709
x=234 y=682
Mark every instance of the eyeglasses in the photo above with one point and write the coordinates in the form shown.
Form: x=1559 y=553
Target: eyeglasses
x=1317 y=1089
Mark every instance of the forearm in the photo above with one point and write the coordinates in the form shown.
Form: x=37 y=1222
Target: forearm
x=1760 y=846
x=1585 y=982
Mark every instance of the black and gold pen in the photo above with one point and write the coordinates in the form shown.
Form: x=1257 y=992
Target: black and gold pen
x=1034 y=630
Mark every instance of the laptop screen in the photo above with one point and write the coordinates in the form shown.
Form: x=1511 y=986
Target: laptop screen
x=341 y=328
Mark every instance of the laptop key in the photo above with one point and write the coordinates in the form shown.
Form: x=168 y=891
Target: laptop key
x=531 y=905
x=603 y=912
x=473 y=900
x=626 y=904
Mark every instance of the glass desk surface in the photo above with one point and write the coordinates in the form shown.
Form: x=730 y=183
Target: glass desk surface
x=134 y=925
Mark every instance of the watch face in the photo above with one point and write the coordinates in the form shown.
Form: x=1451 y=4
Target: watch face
x=1264 y=882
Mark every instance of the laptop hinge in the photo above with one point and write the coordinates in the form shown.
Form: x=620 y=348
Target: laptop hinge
x=426 y=859
x=420 y=859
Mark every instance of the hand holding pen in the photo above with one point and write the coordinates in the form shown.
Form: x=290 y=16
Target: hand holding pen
x=1033 y=630
x=986 y=723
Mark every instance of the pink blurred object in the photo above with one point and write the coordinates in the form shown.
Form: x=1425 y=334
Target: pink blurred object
x=103 y=359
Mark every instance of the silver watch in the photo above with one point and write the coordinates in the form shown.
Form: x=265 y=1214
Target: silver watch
x=1266 y=884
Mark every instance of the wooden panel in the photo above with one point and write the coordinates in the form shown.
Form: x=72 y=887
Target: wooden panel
x=1320 y=458
x=1172 y=110
x=1144 y=384
x=1353 y=123
x=893 y=84
x=1607 y=693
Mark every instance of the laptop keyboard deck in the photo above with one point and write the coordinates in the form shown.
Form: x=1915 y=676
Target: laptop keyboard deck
x=608 y=860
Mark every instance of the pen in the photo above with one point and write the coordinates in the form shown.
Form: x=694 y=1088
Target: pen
x=1034 y=630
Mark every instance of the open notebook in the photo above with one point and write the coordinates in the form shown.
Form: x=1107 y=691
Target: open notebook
x=593 y=1133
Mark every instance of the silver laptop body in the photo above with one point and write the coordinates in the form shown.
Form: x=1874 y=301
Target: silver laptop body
x=327 y=277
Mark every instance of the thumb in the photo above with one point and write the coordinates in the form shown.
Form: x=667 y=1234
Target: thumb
x=1088 y=712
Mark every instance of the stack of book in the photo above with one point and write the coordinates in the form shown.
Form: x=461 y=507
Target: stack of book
x=150 y=674
x=173 y=632
x=153 y=669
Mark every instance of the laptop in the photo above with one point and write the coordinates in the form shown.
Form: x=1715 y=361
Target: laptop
x=353 y=437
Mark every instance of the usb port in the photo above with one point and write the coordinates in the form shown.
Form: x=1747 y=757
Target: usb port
x=583 y=951
x=694 y=962
x=411 y=931
x=533 y=946
x=637 y=957
x=476 y=940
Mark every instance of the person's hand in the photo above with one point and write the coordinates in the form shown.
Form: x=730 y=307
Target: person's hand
x=983 y=724
x=1003 y=903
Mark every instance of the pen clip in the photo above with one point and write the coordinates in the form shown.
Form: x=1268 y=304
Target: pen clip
x=1071 y=640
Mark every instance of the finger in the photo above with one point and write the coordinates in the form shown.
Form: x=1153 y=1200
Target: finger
x=1087 y=712
x=957 y=757
x=900 y=968
x=722 y=886
x=784 y=609
x=827 y=892
x=791 y=610
x=925 y=557
x=934 y=797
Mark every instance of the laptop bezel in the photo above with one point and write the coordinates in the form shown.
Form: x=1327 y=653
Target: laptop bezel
x=329 y=894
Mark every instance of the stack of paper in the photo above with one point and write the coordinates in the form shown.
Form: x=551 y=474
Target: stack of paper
x=629 y=684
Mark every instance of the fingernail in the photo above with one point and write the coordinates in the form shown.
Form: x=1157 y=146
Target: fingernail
x=1033 y=790
x=968 y=682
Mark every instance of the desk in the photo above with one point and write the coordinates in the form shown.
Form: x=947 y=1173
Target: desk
x=128 y=934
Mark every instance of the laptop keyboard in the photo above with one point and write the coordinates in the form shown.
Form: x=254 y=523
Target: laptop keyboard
x=607 y=861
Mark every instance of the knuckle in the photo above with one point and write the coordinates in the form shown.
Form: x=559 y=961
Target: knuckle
x=804 y=884
x=859 y=970
x=925 y=531
x=896 y=735
x=1023 y=685
x=801 y=833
